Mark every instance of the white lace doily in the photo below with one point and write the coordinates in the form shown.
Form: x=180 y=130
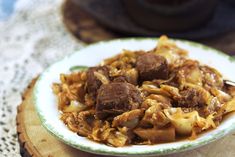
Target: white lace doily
x=30 y=40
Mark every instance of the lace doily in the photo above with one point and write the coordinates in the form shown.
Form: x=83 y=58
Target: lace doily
x=31 y=39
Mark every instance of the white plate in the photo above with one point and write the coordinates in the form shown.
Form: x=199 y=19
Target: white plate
x=92 y=55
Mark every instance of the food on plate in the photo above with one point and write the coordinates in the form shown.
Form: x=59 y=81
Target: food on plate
x=144 y=97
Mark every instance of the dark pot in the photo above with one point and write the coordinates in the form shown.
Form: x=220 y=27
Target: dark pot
x=170 y=15
x=232 y=2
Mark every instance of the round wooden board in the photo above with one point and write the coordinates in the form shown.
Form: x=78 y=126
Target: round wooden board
x=35 y=141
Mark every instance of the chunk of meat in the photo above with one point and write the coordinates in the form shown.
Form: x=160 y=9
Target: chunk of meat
x=93 y=83
x=120 y=79
x=156 y=134
x=115 y=98
x=151 y=66
x=191 y=98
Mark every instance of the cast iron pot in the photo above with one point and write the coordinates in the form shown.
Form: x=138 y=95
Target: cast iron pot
x=170 y=15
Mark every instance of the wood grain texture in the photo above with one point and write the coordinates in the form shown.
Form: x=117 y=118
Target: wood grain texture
x=83 y=26
x=35 y=141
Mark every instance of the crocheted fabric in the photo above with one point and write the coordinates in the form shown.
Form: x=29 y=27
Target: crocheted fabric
x=32 y=38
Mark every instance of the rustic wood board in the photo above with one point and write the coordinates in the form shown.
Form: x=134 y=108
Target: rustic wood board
x=86 y=28
x=35 y=141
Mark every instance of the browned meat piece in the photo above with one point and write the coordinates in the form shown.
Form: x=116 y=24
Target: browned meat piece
x=151 y=66
x=115 y=98
x=93 y=83
x=191 y=98
x=120 y=79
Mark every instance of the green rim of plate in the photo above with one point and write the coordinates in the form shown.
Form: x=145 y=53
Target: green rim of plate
x=105 y=151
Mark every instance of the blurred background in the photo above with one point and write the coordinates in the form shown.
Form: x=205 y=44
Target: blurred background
x=36 y=33
x=6 y=8
x=210 y=22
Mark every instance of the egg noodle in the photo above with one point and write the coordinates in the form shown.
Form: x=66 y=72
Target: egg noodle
x=144 y=97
